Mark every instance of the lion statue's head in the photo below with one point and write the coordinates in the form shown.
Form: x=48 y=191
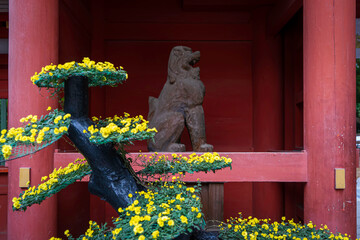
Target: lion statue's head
x=181 y=64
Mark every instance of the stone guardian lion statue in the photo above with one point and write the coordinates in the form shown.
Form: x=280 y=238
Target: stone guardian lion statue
x=179 y=105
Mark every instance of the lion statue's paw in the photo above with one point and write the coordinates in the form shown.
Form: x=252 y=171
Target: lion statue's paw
x=206 y=148
x=176 y=147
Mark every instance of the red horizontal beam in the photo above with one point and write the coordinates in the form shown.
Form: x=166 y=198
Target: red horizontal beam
x=246 y=167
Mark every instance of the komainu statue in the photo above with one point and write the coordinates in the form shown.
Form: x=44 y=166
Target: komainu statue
x=179 y=105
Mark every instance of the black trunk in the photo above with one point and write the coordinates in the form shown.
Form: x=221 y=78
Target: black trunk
x=110 y=179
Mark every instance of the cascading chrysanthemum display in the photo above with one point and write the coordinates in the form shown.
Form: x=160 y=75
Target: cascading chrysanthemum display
x=35 y=134
x=119 y=129
x=163 y=209
x=98 y=73
x=153 y=203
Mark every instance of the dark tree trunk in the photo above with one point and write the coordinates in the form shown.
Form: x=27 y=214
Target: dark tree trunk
x=110 y=179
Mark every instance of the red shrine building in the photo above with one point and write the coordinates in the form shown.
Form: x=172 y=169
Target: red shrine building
x=280 y=100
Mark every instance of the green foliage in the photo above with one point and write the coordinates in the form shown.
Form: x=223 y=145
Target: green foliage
x=34 y=135
x=155 y=166
x=57 y=180
x=167 y=209
x=121 y=130
x=161 y=164
x=99 y=74
x=261 y=229
x=164 y=211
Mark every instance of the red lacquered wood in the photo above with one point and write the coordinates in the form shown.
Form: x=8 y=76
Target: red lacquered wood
x=246 y=167
x=33 y=43
x=329 y=110
x=267 y=110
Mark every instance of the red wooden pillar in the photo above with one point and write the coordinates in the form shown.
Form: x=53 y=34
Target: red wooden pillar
x=329 y=112
x=33 y=43
x=268 y=111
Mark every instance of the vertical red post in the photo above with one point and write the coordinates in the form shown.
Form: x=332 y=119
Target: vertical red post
x=329 y=112
x=33 y=43
x=268 y=111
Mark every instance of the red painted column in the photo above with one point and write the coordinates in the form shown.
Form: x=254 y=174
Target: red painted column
x=268 y=111
x=329 y=112
x=33 y=43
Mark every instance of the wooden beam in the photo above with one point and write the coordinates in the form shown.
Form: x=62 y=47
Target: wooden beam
x=246 y=167
x=282 y=13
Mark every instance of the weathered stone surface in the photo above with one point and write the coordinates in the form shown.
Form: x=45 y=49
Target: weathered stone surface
x=179 y=105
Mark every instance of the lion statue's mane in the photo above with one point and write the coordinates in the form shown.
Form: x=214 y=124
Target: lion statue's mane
x=179 y=105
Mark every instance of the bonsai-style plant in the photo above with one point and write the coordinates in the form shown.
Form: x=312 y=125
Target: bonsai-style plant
x=150 y=203
x=153 y=203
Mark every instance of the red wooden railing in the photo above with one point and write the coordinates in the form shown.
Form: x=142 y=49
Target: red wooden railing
x=246 y=167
